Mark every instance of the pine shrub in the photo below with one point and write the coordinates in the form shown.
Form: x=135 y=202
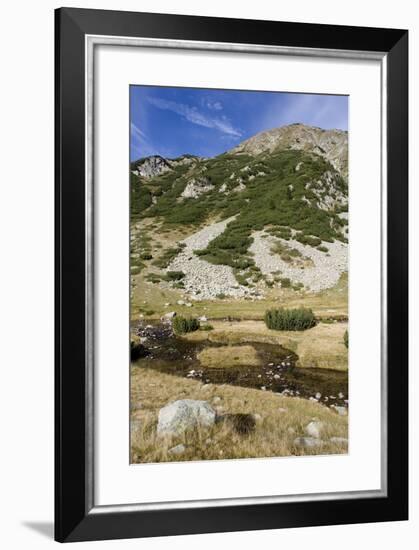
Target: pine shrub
x=182 y=325
x=290 y=319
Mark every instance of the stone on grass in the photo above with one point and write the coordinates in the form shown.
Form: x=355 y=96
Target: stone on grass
x=314 y=429
x=308 y=442
x=177 y=449
x=342 y=411
x=184 y=414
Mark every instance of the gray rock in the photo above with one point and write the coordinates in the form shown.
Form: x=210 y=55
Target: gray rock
x=170 y=315
x=342 y=411
x=197 y=187
x=152 y=166
x=177 y=449
x=307 y=442
x=314 y=429
x=184 y=414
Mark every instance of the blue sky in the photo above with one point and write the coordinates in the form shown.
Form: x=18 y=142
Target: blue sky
x=173 y=121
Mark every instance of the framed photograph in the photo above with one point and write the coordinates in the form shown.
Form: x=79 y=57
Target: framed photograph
x=231 y=275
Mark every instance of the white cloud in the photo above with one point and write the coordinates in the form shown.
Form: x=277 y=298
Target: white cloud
x=140 y=143
x=196 y=117
x=213 y=105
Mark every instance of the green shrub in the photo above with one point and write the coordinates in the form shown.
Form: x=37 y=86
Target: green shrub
x=181 y=325
x=285 y=282
x=322 y=248
x=153 y=278
x=220 y=296
x=149 y=312
x=290 y=319
x=178 y=284
x=206 y=327
x=146 y=256
x=297 y=286
x=174 y=275
x=168 y=256
x=309 y=239
x=241 y=279
x=346 y=338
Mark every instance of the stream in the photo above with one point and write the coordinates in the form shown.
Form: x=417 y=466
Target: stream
x=163 y=351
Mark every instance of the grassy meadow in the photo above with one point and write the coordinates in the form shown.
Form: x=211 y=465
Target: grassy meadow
x=279 y=421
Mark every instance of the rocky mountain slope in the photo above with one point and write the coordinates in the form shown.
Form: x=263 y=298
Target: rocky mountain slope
x=330 y=144
x=279 y=201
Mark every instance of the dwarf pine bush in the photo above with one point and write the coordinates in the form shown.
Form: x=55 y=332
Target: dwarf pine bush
x=181 y=325
x=290 y=319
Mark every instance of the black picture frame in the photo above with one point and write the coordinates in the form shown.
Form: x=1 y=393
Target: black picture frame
x=75 y=518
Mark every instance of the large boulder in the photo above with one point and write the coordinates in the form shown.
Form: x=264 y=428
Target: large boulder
x=185 y=414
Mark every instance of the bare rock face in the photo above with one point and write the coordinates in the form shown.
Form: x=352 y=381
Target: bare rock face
x=151 y=166
x=330 y=144
x=184 y=414
x=196 y=187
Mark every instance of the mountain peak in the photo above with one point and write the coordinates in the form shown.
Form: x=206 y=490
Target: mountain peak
x=330 y=144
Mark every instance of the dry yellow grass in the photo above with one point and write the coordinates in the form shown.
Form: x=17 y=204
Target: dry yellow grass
x=229 y=356
x=282 y=419
x=321 y=346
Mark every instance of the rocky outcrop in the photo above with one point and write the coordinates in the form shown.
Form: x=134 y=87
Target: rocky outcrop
x=151 y=166
x=197 y=187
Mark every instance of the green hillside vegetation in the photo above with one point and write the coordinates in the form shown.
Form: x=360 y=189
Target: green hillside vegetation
x=275 y=196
